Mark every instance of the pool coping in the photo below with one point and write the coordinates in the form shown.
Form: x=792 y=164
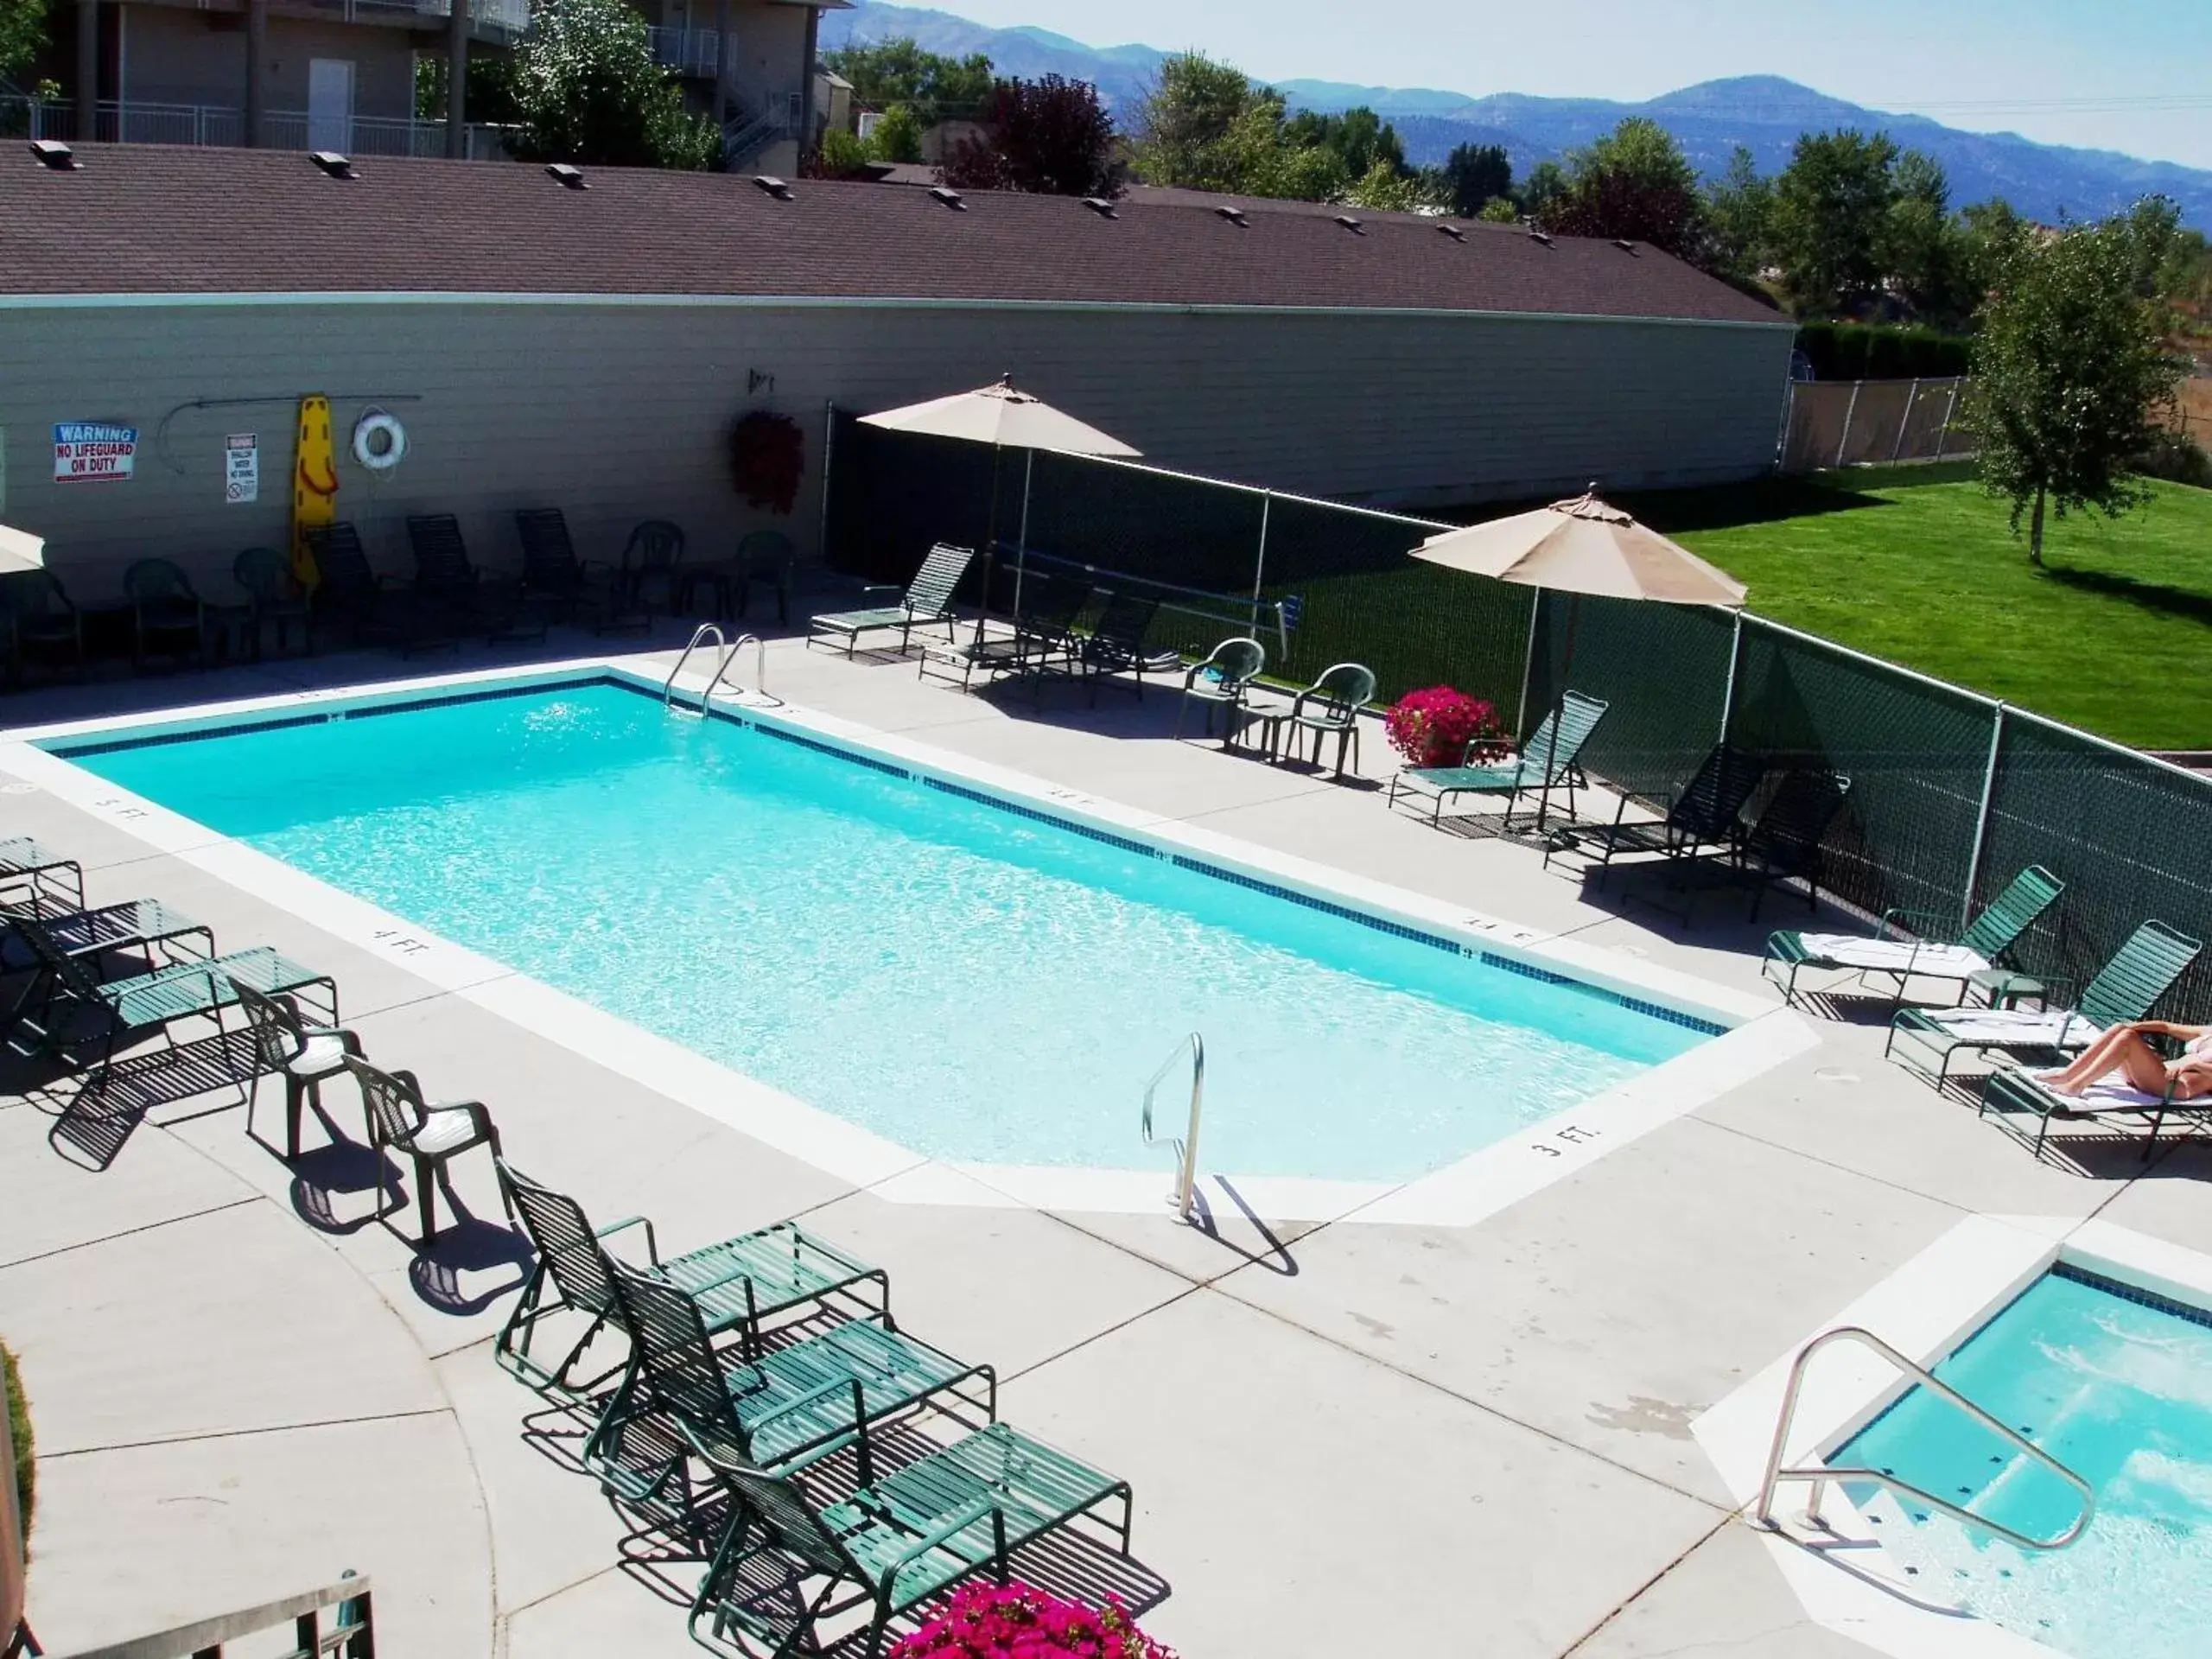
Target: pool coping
x=1760 y=1033
x=1845 y=1578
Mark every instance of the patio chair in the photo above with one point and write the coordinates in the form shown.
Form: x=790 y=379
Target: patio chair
x=692 y=1398
x=572 y=589
x=284 y=1045
x=273 y=594
x=431 y=1133
x=369 y=607
x=923 y=603
x=445 y=582
x=1331 y=705
x=737 y=1284
x=43 y=622
x=1223 y=681
x=1705 y=817
x=1043 y=640
x=2013 y=1088
x=1925 y=952
x=164 y=611
x=2128 y=987
x=1550 y=760
x=135 y=925
x=900 y=1539
x=1115 y=645
x=652 y=564
x=34 y=874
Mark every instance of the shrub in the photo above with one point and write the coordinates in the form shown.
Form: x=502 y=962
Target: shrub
x=1435 y=726
x=19 y=1426
x=990 y=1621
x=1855 y=351
x=2177 y=458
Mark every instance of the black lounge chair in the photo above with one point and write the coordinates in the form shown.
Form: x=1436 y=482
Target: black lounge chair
x=1783 y=843
x=1706 y=817
x=1116 y=642
x=43 y=623
x=448 y=585
x=570 y=589
x=350 y=595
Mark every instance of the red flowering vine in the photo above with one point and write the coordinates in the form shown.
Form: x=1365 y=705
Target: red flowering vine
x=990 y=1621
x=1435 y=728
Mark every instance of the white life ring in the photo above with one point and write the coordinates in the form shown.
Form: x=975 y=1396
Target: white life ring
x=379 y=441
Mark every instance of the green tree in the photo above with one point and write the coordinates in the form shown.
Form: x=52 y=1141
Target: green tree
x=2071 y=377
x=1205 y=126
x=1546 y=185
x=938 y=88
x=897 y=135
x=1500 y=210
x=1739 y=219
x=1831 y=220
x=1920 y=242
x=22 y=34
x=585 y=90
x=1385 y=189
x=1989 y=234
x=1362 y=140
x=1635 y=184
x=1476 y=176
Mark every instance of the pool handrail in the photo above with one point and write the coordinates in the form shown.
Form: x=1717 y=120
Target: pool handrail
x=1186 y=1147
x=1820 y=1474
x=699 y=637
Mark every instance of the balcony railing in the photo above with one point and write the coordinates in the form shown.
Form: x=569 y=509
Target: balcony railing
x=688 y=51
x=498 y=19
x=212 y=123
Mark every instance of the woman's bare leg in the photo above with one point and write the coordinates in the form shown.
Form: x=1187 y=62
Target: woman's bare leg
x=2093 y=1062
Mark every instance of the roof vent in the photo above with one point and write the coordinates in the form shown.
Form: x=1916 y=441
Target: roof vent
x=1234 y=216
x=571 y=176
x=1535 y=235
x=769 y=185
x=51 y=152
x=1351 y=224
x=332 y=163
x=1624 y=245
x=1101 y=207
x=1453 y=231
x=949 y=198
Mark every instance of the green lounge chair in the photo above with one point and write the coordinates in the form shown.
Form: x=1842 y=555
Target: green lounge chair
x=1923 y=953
x=923 y=603
x=370 y=608
x=135 y=926
x=448 y=585
x=1550 y=760
x=1044 y=641
x=36 y=874
x=284 y=1045
x=2126 y=988
x=1787 y=842
x=1223 y=681
x=2015 y=1088
x=681 y=1397
x=737 y=1283
x=573 y=590
x=1331 y=705
x=1115 y=644
x=900 y=1539
x=1706 y=816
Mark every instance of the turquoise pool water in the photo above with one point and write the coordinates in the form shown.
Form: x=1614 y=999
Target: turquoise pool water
x=964 y=980
x=2120 y=1392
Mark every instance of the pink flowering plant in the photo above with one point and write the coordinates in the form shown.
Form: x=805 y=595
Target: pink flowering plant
x=1013 y=1621
x=1433 y=728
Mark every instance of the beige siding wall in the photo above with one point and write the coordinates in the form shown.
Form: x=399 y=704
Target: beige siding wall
x=176 y=56
x=616 y=413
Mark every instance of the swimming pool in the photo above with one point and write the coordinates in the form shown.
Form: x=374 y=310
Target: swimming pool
x=966 y=976
x=2114 y=1383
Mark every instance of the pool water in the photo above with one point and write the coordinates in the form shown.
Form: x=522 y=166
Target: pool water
x=2117 y=1391
x=968 y=981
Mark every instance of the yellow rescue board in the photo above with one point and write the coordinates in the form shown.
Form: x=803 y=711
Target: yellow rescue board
x=315 y=486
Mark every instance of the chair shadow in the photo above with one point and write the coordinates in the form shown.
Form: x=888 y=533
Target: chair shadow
x=467 y=1245
x=2156 y=596
x=97 y=1121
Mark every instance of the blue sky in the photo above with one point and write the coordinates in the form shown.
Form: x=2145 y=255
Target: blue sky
x=2134 y=75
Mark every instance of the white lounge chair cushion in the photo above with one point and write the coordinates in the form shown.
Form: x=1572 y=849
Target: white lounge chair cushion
x=1894 y=956
x=2057 y=1028
x=443 y=1129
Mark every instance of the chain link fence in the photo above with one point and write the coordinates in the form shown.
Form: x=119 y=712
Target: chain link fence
x=1952 y=793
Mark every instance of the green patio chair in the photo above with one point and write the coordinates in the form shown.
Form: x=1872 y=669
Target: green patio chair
x=1223 y=681
x=43 y=622
x=34 y=874
x=900 y=1539
x=273 y=594
x=2128 y=987
x=431 y=1133
x=1925 y=951
x=737 y=1284
x=284 y=1045
x=1550 y=760
x=681 y=1395
x=1331 y=704
x=768 y=556
x=165 y=612
x=1705 y=817
x=2013 y=1088
x=652 y=565
x=923 y=603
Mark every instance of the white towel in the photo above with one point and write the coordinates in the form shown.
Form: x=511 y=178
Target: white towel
x=2107 y=1097
x=2056 y=1029
x=1894 y=956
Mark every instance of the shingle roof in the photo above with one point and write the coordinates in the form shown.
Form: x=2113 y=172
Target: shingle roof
x=151 y=220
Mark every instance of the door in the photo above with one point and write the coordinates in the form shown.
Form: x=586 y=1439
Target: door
x=330 y=103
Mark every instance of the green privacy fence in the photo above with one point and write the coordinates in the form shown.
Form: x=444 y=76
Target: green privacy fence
x=1952 y=793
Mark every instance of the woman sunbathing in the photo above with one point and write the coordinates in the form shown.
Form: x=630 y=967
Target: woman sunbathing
x=2122 y=1049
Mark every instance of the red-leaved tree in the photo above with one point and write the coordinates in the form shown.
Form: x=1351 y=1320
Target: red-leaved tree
x=1050 y=137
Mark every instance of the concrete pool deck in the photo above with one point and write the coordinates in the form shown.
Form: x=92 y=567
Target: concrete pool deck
x=1342 y=1437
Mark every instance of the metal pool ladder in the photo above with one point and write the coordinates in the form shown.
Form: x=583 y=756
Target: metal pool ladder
x=700 y=636
x=1187 y=1148
x=1820 y=1475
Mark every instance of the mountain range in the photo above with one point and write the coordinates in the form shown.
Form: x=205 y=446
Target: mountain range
x=1765 y=112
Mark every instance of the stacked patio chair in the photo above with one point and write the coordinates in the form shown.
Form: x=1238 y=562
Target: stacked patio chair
x=1550 y=760
x=1331 y=706
x=449 y=586
x=1925 y=952
x=573 y=591
x=1223 y=681
x=1705 y=817
x=166 y=616
x=924 y=602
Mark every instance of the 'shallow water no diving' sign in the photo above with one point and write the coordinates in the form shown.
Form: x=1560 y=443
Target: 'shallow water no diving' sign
x=86 y=452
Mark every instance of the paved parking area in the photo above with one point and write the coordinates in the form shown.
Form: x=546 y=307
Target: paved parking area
x=1344 y=1438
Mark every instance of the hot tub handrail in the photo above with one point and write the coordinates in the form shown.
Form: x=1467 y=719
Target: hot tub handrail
x=1819 y=1475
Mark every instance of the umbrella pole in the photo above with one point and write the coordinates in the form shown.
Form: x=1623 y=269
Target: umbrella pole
x=990 y=546
x=1022 y=537
x=1551 y=745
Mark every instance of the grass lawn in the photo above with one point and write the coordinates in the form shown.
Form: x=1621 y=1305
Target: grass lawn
x=1918 y=566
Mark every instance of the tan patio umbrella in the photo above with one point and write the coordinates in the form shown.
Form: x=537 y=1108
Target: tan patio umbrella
x=19 y=550
x=1005 y=419
x=1579 y=547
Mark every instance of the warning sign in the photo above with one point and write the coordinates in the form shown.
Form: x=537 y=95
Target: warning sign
x=241 y=468
x=85 y=452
